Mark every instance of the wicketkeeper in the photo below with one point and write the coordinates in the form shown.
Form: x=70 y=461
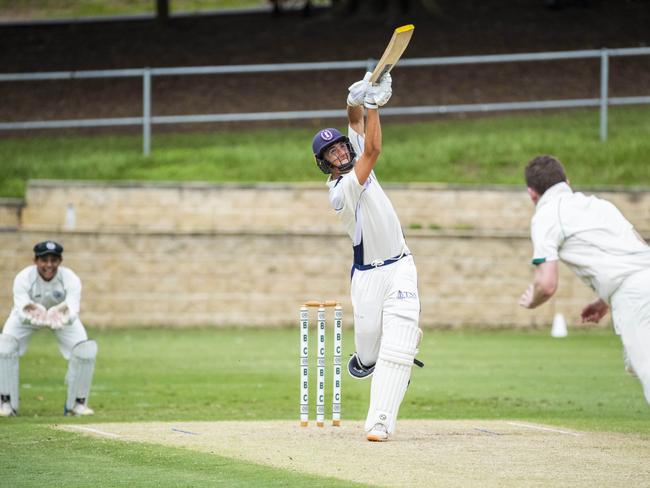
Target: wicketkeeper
x=384 y=279
x=593 y=238
x=47 y=296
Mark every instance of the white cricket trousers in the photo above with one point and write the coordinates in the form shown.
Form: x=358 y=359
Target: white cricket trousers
x=631 y=315
x=67 y=337
x=383 y=297
x=386 y=314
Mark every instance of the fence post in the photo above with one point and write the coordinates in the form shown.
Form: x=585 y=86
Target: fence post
x=146 y=111
x=604 y=81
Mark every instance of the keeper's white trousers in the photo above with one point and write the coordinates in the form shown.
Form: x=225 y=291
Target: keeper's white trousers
x=67 y=337
x=631 y=315
x=386 y=314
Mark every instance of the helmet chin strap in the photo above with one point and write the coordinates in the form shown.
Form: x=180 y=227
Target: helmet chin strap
x=327 y=167
x=346 y=167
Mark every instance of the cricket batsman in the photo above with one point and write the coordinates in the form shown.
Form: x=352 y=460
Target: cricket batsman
x=601 y=247
x=47 y=296
x=384 y=290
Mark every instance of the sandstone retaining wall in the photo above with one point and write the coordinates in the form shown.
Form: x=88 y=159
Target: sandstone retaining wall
x=249 y=255
x=10 y=212
x=203 y=207
x=261 y=279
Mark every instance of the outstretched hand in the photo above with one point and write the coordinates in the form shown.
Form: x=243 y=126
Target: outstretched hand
x=594 y=311
x=58 y=316
x=526 y=298
x=36 y=314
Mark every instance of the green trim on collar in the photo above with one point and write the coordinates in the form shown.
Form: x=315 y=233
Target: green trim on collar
x=537 y=261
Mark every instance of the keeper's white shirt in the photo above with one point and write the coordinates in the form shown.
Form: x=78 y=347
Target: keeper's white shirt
x=29 y=287
x=590 y=235
x=366 y=212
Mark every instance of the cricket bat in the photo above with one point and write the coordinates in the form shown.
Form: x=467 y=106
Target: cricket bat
x=393 y=52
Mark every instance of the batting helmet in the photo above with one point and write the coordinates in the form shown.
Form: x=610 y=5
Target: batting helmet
x=324 y=139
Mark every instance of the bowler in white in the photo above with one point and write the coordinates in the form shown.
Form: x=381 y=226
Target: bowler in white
x=593 y=238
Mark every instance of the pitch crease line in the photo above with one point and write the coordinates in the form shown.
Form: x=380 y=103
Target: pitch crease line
x=94 y=431
x=486 y=431
x=548 y=429
x=185 y=431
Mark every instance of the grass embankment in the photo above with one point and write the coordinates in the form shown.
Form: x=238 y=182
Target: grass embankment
x=478 y=151
x=77 y=9
x=175 y=375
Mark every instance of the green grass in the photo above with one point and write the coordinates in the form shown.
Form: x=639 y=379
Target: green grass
x=44 y=457
x=241 y=374
x=477 y=151
x=74 y=9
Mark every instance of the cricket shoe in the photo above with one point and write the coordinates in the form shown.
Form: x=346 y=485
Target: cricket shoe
x=357 y=369
x=378 y=433
x=79 y=409
x=6 y=410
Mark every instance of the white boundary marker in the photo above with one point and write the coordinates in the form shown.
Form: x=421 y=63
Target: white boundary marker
x=90 y=429
x=548 y=429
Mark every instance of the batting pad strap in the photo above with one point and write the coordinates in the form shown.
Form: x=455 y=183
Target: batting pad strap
x=9 y=368
x=80 y=371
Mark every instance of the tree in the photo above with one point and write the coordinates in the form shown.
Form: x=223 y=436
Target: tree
x=162 y=9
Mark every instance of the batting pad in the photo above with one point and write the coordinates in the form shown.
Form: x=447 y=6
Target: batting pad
x=9 y=368
x=80 y=371
x=392 y=374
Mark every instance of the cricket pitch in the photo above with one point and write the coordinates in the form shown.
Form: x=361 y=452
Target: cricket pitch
x=462 y=453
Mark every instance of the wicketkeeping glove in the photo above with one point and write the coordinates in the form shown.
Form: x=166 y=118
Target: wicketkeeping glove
x=35 y=314
x=58 y=316
x=384 y=90
x=358 y=91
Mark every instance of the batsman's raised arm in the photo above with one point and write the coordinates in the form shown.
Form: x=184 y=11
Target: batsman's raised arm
x=372 y=147
x=356 y=96
x=374 y=96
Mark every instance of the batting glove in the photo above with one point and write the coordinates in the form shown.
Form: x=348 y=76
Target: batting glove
x=370 y=100
x=358 y=91
x=384 y=90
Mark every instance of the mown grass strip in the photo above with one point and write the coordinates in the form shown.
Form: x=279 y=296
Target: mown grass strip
x=477 y=151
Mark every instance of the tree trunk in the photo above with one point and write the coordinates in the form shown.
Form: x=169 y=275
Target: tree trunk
x=162 y=9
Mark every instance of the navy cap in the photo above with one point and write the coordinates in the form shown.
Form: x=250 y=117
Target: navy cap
x=48 y=247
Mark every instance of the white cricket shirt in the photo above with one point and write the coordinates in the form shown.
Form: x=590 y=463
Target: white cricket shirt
x=366 y=212
x=29 y=287
x=590 y=235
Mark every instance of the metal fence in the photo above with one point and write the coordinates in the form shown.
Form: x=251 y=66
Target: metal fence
x=147 y=120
